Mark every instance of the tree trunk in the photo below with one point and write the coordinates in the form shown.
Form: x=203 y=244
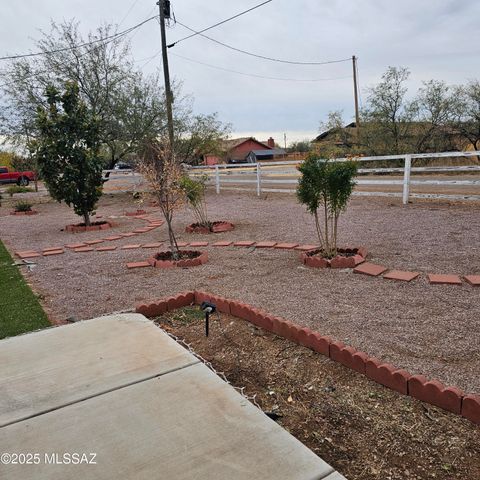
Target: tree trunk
x=319 y=230
x=86 y=219
x=327 y=239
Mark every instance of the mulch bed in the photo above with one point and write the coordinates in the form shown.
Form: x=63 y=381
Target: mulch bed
x=214 y=227
x=187 y=258
x=362 y=429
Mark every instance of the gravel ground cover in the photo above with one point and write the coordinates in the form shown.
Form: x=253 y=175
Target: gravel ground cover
x=433 y=330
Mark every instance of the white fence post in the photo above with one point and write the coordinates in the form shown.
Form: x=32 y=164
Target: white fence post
x=217 y=179
x=259 y=180
x=406 y=178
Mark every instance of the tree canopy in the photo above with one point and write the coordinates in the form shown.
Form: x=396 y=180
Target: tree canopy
x=67 y=150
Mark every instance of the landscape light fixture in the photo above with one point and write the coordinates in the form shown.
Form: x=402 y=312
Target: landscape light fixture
x=208 y=308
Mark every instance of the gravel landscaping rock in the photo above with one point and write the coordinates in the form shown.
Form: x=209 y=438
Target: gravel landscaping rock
x=427 y=329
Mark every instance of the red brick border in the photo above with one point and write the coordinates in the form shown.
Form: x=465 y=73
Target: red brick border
x=89 y=228
x=419 y=387
x=188 y=262
x=28 y=212
x=339 y=261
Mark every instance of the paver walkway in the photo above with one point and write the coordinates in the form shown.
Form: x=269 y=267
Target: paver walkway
x=120 y=388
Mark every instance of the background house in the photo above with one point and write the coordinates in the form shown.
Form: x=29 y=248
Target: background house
x=245 y=149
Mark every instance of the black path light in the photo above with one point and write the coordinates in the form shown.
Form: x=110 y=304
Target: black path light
x=208 y=308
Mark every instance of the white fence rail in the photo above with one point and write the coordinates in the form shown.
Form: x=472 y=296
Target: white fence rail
x=260 y=175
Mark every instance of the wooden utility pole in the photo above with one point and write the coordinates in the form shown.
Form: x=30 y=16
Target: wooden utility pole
x=355 y=90
x=164 y=9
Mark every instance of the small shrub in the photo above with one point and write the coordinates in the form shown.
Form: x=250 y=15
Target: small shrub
x=17 y=189
x=23 y=206
x=195 y=194
x=326 y=186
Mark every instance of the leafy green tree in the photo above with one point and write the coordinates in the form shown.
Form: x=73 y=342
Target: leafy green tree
x=326 y=187
x=67 y=150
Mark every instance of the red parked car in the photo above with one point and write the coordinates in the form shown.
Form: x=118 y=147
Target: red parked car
x=20 y=178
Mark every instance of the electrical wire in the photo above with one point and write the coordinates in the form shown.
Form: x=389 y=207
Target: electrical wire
x=109 y=38
x=255 y=75
x=128 y=12
x=264 y=57
x=219 y=23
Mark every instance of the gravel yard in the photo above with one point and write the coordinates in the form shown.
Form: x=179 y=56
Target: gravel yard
x=433 y=330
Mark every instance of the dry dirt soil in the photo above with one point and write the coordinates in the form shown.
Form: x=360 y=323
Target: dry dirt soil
x=362 y=429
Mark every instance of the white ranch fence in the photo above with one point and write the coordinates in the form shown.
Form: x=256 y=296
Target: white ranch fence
x=281 y=176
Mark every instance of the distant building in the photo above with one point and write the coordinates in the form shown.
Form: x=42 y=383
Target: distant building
x=245 y=149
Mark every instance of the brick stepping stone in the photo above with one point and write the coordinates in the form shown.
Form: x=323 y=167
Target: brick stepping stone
x=370 y=269
x=400 y=275
x=94 y=242
x=130 y=247
x=305 y=248
x=265 y=244
x=52 y=252
x=152 y=245
x=51 y=249
x=112 y=238
x=473 y=280
x=109 y=248
x=182 y=244
x=242 y=243
x=138 y=264
x=222 y=244
x=198 y=244
x=442 y=279
x=83 y=249
x=286 y=246
x=27 y=254
x=76 y=245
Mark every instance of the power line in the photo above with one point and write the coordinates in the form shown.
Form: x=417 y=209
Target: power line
x=258 y=76
x=128 y=12
x=217 y=24
x=64 y=49
x=291 y=62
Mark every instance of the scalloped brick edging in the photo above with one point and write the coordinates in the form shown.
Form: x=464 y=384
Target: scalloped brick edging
x=136 y=213
x=339 y=261
x=89 y=228
x=217 y=227
x=28 y=212
x=187 y=262
x=429 y=391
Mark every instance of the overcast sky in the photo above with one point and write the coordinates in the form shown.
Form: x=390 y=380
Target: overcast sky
x=435 y=38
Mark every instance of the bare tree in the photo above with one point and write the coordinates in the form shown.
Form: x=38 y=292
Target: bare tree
x=467 y=112
x=164 y=174
x=129 y=105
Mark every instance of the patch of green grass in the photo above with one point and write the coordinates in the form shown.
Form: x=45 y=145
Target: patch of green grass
x=17 y=189
x=20 y=310
x=187 y=315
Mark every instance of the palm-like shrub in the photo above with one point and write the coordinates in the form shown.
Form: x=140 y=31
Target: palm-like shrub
x=325 y=188
x=195 y=194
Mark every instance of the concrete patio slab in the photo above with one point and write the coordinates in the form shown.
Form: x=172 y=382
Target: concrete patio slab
x=120 y=395
x=44 y=370
x=188 y=424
